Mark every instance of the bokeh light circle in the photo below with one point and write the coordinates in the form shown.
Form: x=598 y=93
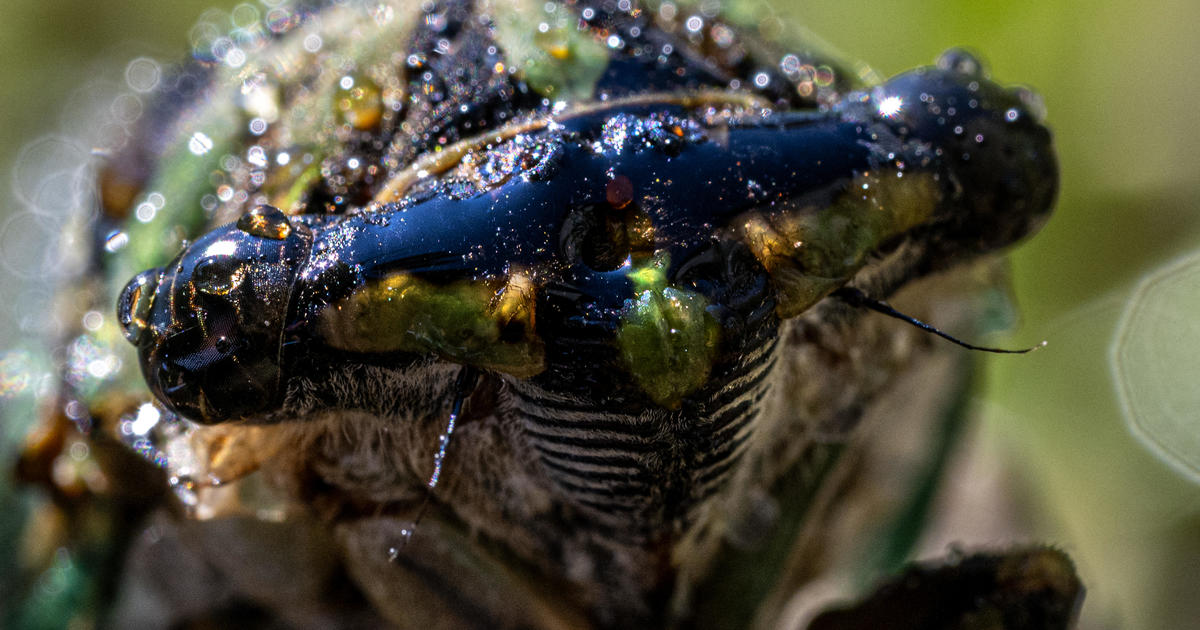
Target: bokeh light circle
x=143 y=74
x=26 y=243
x=1155 y=362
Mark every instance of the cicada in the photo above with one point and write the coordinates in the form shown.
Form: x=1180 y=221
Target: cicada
x=548 y=315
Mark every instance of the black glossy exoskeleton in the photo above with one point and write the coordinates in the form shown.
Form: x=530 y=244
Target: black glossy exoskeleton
x=625 y=269
x=658 y=250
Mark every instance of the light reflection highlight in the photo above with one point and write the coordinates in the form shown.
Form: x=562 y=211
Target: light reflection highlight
x=891 y=106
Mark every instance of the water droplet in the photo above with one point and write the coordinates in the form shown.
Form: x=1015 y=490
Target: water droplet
x=265 y=222
x=406 y=534
x=1034 y=104
x=961 y=61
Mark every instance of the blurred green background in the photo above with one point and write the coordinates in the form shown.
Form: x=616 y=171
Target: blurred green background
x=1121 y=88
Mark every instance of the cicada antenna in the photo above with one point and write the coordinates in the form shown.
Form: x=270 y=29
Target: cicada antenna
x=855 y=297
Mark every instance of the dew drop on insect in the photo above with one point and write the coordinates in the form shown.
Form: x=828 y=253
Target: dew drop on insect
x=962 y=62
x=1155 y=365
x=265 y=222
x=1033 y=103
x=406 y=533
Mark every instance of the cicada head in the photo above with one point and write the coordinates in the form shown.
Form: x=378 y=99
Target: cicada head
x=208 y=325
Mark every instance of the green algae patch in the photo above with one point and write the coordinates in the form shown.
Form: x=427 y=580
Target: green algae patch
x=484 y=324
x=667 y=338
x=810 y=252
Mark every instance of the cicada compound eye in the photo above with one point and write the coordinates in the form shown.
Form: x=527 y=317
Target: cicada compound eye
x=1002 y=172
